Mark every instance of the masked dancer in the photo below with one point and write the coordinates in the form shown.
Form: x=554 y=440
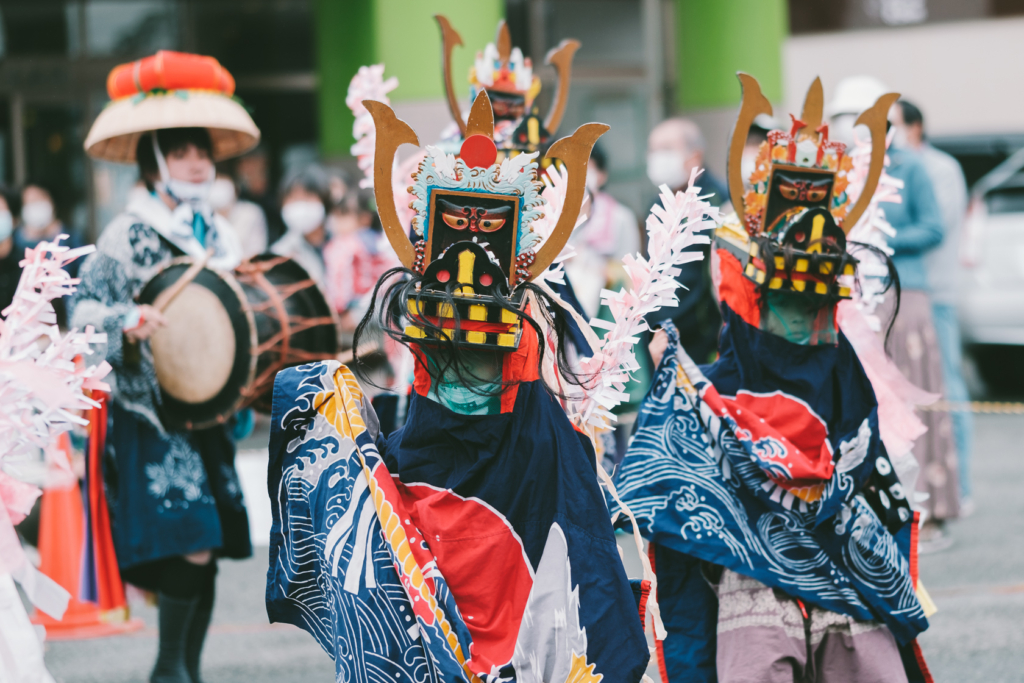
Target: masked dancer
x=767 y=482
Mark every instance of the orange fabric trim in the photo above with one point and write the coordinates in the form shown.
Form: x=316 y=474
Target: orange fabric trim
x=658 y=644
x=645 y=594
x=167 y=70
x=913 y=548
x=421 y=378
x=923 y=665
x=519 y=366
x=739 y=293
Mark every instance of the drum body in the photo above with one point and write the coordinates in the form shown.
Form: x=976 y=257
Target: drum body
x=294 y=322
x=227 y=336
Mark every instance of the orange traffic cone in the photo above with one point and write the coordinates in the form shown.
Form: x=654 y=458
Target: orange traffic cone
x=80 y=559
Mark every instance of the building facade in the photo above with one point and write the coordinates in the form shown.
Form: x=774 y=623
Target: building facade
x=640 y=61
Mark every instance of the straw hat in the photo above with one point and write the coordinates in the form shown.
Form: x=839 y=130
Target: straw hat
x=170 y=90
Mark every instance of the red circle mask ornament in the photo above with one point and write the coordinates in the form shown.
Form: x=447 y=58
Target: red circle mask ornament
x=478 y=151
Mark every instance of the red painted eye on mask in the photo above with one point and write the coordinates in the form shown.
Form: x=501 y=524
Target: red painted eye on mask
x=817 y=194
x=490 y=224
x=455 y=222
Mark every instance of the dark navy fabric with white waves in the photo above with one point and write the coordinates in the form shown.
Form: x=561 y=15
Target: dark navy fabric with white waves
x=462 y=548
x=698 y=485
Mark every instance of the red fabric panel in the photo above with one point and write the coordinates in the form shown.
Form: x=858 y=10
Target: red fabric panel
x=658 y=644
x=645 y=593
x=919 y=656
x=421 y=378
x=913 y=548
x=110 y=589
x=519 y=366
x=736 y=290
x=482 y=561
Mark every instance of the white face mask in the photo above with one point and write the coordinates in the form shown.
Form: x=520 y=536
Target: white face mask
x=38 y=214
x=222 y=194
x=181 y=190
x=6 y=225
x=593 y=181
x=303 y=217
x=192 y=193
x=747 y=165
x=667 y=167
x=899 y=137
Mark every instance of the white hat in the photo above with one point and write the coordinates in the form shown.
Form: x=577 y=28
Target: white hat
x=170 y=90
x=855 y=94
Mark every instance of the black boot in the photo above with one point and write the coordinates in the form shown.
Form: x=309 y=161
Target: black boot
x=197 y=630
x=175 y=617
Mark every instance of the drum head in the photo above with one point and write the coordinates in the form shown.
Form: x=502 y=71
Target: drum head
x=203 y=356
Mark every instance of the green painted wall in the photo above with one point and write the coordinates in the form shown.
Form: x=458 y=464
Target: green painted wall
x=404 y=36
x=344 y=42
x=717 y=38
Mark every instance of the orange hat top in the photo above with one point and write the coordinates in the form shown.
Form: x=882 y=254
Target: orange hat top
x=168 y=70
x=170 y=90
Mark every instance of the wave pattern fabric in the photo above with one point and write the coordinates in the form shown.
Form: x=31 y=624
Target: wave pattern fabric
x=457 y=550
x=721 y=470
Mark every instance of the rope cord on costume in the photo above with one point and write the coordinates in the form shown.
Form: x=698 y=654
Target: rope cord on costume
x=652 y=602
x=982 y=407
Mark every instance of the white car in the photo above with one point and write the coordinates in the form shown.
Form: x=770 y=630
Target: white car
x=991 y=299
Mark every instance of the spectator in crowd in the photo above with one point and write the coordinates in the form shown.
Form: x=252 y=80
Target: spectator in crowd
x=40 y=221
x=357 y=255
x=943 y=266
x=674 y=148
x=914 y=345
x=305 y=196
x=610 y=232
x=758 y=135
x=252 y=178
x=10 y=257
x=246 y=217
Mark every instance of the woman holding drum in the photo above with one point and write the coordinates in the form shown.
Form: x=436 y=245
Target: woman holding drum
x=176 y=501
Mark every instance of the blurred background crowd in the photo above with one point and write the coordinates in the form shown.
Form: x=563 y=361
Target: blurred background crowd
x=640 y=62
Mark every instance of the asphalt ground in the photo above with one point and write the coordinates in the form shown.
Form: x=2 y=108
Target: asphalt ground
x=978 y=584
